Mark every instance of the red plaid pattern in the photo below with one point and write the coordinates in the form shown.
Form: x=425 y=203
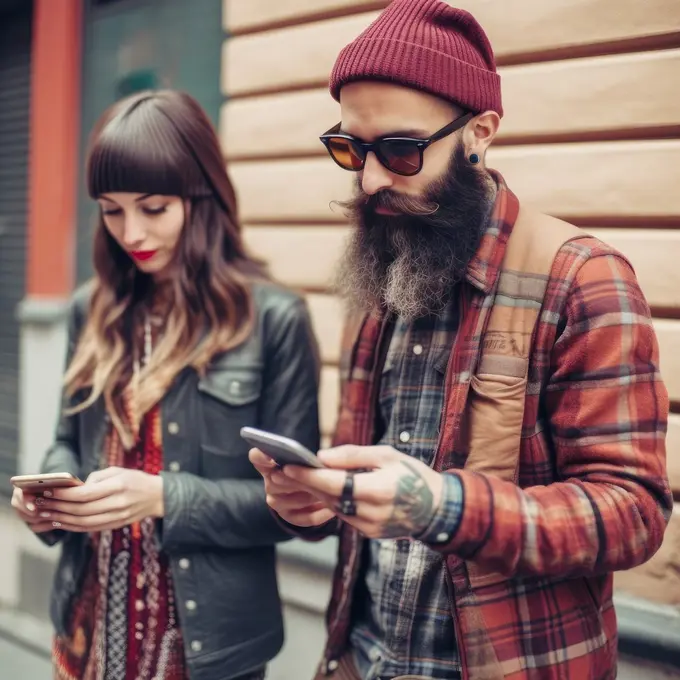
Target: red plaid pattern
x=592 y=495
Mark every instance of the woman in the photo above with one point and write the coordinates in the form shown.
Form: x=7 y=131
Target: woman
x=168 y=563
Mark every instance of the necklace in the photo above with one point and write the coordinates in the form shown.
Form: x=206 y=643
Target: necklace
x=147 y=340
x=136 y=368
x=148 y=347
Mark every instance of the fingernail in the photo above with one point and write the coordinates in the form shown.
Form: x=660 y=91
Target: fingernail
x=45 y=514
x=56 y=525
x=47 y=494
x=30 y=507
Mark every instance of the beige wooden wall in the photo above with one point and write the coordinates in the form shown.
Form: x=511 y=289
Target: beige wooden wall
x=591 y=134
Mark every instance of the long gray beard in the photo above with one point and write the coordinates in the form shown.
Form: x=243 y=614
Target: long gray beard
x=411 y=286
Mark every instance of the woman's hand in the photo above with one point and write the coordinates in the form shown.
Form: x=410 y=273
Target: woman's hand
x=288 y=499
x=110 y=499
x=24 y=505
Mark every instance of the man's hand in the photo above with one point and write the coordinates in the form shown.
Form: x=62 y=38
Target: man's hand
x=110 y=499
x=26 y=505
x=288 y=499
x=396 y=499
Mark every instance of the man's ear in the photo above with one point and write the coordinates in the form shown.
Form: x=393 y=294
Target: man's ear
x=480 y=132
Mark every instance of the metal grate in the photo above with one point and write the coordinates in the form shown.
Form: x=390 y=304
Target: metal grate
x=15 y=56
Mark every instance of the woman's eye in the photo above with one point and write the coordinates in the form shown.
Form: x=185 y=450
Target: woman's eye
x=111 y=212
x=154 y=211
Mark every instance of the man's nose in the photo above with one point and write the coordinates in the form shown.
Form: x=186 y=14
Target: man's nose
x=375 y=176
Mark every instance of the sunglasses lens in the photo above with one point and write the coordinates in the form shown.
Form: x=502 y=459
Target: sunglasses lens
x=345 y=154
x=401 y=157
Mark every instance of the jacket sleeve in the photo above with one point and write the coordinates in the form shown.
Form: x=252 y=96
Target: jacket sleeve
x=64 y=454
x=233 y=513
x=607 y=408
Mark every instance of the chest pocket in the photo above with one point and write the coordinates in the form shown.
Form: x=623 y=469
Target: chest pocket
x=230 y=398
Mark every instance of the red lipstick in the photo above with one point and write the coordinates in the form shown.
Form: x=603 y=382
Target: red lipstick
x=143 y=255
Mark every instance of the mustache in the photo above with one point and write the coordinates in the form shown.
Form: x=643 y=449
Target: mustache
x=365 y=205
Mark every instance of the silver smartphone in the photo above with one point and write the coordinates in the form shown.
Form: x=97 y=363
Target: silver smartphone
x=47 y=480
x=283 y=450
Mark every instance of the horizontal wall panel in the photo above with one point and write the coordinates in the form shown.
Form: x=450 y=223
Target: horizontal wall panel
x=612 y=180
x=248 y=15
x=301 y=257
x=535 y=26
x=608 y=180
x=668 y=334
x=329 y=399
x=327 y=314
x=597 y=95
x=654 y=254
x=659 y=579
x=249 y=127
x=552 y=99
x=290 y=190
x=300 y=56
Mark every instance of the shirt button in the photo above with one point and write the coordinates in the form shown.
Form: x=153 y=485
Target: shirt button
x=184 y=563
x=196 y=645
x=405 y=437
x=191 y=605
x=174 y=466
x=173 y=428
x=333 y=665
x=417 y=350
x=442 y=538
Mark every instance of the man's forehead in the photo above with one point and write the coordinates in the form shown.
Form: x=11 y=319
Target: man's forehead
x=374 y=109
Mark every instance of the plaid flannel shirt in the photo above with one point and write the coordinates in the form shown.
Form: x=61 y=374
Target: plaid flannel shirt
x=410 y=634
x=592 y=495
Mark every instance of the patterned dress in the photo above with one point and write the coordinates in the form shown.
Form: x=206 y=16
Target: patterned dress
x=124 y=622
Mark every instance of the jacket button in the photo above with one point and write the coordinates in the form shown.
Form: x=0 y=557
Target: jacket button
x=173 y=428
x=174 y=466
x=184 y=563
x=196 y=646
x=235 y=387
x=191 y=605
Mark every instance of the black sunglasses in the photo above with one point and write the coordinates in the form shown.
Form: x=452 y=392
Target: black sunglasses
x=400 y=155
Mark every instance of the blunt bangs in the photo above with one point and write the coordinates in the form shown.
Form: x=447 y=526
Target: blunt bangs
x=140 y=150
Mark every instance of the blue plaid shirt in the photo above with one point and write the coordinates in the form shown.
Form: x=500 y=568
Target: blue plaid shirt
x=402 y=623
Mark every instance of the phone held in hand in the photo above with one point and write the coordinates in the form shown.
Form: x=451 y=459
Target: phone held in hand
x=283 y=450
x=49 y=480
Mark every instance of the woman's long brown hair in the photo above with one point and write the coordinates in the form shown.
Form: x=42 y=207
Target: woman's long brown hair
x=161 y=143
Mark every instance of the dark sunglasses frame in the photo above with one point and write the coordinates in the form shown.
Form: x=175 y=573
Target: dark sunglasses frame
x=365 y=147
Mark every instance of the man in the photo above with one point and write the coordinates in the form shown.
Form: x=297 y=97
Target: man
x=467 y=552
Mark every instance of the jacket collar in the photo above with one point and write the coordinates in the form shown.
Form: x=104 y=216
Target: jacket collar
x=484 y=267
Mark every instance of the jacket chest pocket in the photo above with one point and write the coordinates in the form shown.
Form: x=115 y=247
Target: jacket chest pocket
x=230 y=399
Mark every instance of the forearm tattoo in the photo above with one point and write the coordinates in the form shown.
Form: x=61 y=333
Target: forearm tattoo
x=413 y=505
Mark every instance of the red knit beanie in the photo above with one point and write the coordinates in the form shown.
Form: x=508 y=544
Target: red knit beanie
x=427 y=45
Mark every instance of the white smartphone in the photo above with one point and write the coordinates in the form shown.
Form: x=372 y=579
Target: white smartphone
x=283 y=450
x=48 y=480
